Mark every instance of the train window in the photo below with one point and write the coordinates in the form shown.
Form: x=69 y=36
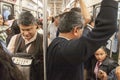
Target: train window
x=7 y=10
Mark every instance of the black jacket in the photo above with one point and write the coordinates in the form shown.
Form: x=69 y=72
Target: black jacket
x=65 y=58
x=107 y=65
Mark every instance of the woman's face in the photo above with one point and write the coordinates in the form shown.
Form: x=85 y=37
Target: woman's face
x=100 y=55
x=1 y=20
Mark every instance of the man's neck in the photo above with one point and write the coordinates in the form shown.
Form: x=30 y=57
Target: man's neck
x=67 y=36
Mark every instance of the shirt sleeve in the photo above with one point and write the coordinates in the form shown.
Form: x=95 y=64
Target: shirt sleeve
x=11 y=45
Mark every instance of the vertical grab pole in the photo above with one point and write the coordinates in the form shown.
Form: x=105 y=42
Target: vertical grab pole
x=20 y=6
x=44 y=35
x=54 y=7
x=119 y=42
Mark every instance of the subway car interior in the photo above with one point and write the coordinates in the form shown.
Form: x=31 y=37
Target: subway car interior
x=45 y=13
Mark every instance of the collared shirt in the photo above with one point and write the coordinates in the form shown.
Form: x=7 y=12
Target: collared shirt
x=11 y=45
x=97 y=68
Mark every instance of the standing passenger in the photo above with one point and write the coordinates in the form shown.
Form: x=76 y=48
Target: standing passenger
x=29 y=42
x=101 y=62
x=53 y=27
x=66 y=54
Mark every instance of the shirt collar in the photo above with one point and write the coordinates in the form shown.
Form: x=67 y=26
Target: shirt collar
x=31 y=40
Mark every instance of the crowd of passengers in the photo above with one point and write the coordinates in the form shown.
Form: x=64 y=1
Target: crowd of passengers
x=76 y=48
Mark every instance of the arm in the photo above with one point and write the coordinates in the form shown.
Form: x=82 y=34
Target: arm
x=102 y=75
x=75 y=3
x=81 y=49
x=85 y=12
x=117 y=72
x=111 y=76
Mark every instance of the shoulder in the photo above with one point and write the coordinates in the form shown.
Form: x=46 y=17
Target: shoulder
x=13 y=37
x=110 y=61
x=40 y=35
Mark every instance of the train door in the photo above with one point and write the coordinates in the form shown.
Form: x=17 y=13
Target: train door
x=7 y=9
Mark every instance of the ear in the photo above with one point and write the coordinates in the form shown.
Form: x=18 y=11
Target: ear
x=75 y=31
x=36 y=26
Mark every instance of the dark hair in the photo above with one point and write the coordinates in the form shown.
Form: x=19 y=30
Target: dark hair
x=77 y=9
x=8 y=70
x=56 y=16
x=61 y=15
x=39 y=22
x=52 y=19
x=69 y=20
x=15 y=28
x=26 y=18
x=10 y=17
x=104 y=48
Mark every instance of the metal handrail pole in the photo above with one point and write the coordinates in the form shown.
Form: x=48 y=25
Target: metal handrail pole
x=44 y=35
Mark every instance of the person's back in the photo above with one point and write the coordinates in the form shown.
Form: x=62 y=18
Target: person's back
x=67 y=53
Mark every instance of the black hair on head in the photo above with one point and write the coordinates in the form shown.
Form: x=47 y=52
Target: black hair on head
x=77 y=9
x=26 y=18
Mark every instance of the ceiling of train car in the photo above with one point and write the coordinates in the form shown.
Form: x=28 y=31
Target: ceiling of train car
x=55 y=6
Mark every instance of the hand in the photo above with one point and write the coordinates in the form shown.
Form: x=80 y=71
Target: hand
x=102 y=75
x=117 y=72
